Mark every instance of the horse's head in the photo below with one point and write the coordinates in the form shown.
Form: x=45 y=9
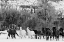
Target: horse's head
x=27 y=28
x=20 y=28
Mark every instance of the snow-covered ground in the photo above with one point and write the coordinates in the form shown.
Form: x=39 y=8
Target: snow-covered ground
x=4 y=36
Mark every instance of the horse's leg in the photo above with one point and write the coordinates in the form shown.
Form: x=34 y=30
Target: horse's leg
x=31 y=36
x=53 y=36
x=25 y=36
x=43 y=36
x=57 y=38
x=35 y=36
x=21 y=36
x=28 y=36
x=11 y=36
x=47 y=37
x=62 y=37
x=8 y=36
x=14 y=36
x=38 y=36
x=50 y=37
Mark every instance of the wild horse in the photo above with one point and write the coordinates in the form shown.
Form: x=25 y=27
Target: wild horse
x=11 y=32
x=56 y=33
x=37 y=33
x=47 y=32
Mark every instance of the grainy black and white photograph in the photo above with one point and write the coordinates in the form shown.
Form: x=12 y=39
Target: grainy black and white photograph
x=32 y=19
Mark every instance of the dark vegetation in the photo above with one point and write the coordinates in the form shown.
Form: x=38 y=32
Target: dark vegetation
x=44 y=18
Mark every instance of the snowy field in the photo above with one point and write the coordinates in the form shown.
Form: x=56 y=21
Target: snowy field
x=4 y=36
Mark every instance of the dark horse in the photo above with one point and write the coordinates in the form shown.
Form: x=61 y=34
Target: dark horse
x=11 y=32
x=43 y=32
x=61 y=32
x=38 y=33
x=47 y=32
x=56 y=33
